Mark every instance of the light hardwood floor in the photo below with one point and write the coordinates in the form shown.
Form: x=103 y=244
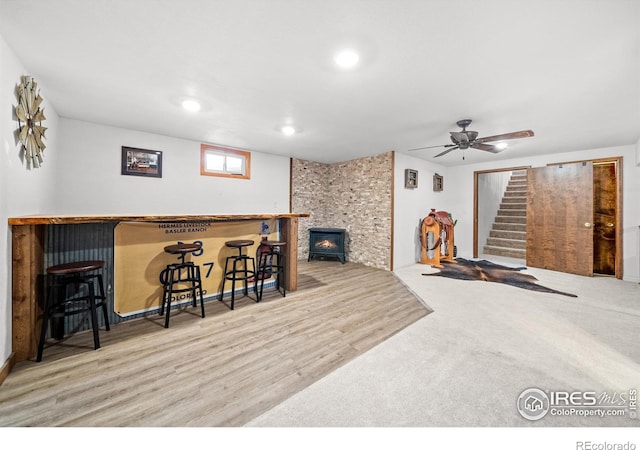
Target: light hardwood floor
x=223 y=370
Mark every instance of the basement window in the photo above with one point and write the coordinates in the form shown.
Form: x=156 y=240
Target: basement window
x=224 y=162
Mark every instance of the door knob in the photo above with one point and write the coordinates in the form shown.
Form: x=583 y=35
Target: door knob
x=587 y=225
x=610 y=225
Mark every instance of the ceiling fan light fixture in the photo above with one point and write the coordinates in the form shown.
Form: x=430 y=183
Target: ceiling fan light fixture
x=501 y=145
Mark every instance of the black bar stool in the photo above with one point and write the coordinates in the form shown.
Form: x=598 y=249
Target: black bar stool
x=240 y=270
x=59 y=303
x=271 y=263
x=180 y=277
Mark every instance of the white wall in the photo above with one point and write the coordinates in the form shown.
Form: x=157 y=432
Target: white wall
x=410 y=206
x=89 y=179
x=22 y=190
x=462 y=197
x=491 y=188
x=82 y=175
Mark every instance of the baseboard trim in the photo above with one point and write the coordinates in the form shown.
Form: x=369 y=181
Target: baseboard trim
x=6 y=367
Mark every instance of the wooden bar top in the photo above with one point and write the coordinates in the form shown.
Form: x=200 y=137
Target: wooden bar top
x=69 y=219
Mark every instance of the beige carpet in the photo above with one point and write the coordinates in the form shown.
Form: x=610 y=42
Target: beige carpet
x=485 y=343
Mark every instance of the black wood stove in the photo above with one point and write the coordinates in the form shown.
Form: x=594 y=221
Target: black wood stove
x=327 y=242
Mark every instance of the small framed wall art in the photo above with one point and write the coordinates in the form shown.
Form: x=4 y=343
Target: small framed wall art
x=438 y=183
x=142 y=163
x=410 y=178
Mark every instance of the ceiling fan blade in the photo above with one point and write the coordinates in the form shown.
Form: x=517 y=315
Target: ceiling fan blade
x=504 y=137
x=446 y=151
x=433 y=146
x=487 y=147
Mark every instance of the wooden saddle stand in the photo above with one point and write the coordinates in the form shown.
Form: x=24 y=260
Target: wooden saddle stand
x=436 y=238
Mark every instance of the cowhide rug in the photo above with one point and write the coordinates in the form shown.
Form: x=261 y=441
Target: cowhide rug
x=465 y=269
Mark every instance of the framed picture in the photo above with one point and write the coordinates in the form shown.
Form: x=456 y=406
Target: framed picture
x=142 y=163
x=410 y=178
x=438 y=183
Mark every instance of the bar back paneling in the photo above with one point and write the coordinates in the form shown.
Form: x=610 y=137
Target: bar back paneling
x=83 y=242
x=91 y=241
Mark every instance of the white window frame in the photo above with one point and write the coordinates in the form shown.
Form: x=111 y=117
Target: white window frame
x=208 y=150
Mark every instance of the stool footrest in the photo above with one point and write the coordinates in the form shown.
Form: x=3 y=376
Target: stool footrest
x=59 y=306
x=271 y=265
x=239 y=268
x=177 y=278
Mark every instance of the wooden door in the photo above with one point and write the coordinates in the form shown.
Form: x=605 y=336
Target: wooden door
x=560 y=218
x=605 y=218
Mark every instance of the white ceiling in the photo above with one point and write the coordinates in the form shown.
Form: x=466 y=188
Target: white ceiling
x=567 y=69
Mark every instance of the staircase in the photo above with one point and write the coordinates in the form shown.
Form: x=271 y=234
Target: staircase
x=508 y=237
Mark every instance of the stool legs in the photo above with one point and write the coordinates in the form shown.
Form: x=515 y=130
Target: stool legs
x=48 y=304
x=271 y=263
x=104 y=302
x=94 y=315
x=197 y=276
x=171 y=276
x=242 y=273
x=55 y=307
x=167 y=296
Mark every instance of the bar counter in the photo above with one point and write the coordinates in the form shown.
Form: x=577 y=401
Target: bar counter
x=28 y=261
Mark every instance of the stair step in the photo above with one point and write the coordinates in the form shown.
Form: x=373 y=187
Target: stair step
x=509 y=234
x=513 y=212
x=507 y=243
x=514 y=199
x=513 y=205
x=522 y=227
x=508 y=237
x=511 y=219
x=506 y=252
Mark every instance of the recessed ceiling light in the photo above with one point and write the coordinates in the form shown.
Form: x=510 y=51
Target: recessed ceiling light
x=288 y=130
x=347 y=58
x=191 y=105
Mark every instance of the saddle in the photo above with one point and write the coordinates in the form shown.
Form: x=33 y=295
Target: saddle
x=440 y=224
x=444 y=220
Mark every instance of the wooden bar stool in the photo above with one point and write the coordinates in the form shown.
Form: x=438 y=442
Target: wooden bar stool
x=271 y=264
x=180 y=277
x=240 y=270
x=59 y=303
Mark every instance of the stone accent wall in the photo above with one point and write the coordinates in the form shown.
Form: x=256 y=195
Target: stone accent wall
x=308 y=182
x=355 y=195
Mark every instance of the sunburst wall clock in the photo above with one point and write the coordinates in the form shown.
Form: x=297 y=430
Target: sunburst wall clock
x=30 y=118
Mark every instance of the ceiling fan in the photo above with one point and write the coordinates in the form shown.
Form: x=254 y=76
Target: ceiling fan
x=469 y=139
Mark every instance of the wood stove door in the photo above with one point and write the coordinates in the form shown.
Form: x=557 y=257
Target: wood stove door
x=326 y=244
